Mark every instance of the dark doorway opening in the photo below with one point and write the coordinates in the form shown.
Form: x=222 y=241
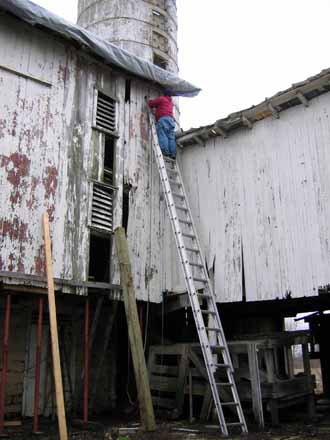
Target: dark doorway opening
x=109 y=148
x=99 y=258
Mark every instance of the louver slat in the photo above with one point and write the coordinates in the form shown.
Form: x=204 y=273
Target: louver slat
x=106 y=112
x=102 y=208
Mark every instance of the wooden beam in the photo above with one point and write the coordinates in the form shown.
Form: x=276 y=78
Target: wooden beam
x=255 y=384
x=302 y=98
x=54 y=334
x=275 y=113
x=134 y=332
x=181 y=380
x=60 y=282
x=220 y=130
x=247 y=122
x=198 y=140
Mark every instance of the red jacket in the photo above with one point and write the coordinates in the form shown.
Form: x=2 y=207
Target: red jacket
x=163 y=105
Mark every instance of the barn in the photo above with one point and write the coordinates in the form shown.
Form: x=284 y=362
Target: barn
x=76 y=143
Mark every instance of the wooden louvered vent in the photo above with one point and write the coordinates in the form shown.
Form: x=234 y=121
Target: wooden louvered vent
x=102 y=207
x=106 y=113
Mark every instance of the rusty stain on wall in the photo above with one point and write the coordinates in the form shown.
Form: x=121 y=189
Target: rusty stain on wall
x=48 y=158
x=40 y=261
x=50 y=181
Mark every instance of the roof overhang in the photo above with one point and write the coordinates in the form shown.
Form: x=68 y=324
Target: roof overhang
x=298 y=94
x=109 y=53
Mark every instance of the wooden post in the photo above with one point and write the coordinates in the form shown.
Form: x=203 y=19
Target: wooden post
x=255 y=384
x=54 y=334
x=134 y=332
x=5 y=353
x=38 y=367
x=86 y=364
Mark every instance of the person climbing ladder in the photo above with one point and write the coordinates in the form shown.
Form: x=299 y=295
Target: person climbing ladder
x=165 y=124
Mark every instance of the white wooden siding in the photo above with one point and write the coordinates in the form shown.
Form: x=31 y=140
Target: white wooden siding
x=49 y=152
x=266 y=190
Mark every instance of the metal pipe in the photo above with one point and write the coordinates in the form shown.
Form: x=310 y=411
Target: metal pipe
x=86 y=362
x=5 y=353
x=38 y=364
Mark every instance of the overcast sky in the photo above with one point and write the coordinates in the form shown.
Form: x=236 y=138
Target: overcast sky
x=241 y=51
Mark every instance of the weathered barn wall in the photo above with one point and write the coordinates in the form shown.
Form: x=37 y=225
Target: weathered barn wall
x=50 y=153
x=43 y=160
x=150 y=239
x=264 y=194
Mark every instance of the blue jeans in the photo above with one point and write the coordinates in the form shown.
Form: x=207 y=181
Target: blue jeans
x=166 y=135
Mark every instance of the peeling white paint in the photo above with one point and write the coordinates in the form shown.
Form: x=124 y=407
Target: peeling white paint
x=49 y=152
x=268 y=190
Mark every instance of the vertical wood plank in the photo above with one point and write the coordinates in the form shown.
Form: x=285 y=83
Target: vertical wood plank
x=134 y=331
x=182 y=377
x=54 y=334
x=255 y=384
x=101 y=361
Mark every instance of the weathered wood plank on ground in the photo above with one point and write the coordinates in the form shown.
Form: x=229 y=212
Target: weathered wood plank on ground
x=134 y=331
x=54 y=334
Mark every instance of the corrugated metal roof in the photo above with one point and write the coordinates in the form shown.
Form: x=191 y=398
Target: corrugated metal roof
x=299 y=93
x=35 y=15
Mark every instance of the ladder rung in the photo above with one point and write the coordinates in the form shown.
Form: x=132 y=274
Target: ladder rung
x=192 y=236
x=204 y=295
x=224 y=384
x=229 y=404
x=171 y=171
x=208 y=312
x=181 y=207
x=235 y=424
x=186 y=222
x=217 y=347
x=174 y=182
x=177 y=195
x=213 y=329
x=168 y=159
x=200 y=280
x=196 y=264
x=222 y=365
x=192 y=250
x=169 y=168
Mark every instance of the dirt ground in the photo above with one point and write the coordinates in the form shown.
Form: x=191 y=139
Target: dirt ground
x=289 y=430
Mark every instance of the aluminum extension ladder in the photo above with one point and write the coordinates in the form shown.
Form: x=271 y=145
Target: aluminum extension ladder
x=216 y=355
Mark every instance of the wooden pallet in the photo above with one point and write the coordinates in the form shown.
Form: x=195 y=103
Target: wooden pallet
x=169 y=370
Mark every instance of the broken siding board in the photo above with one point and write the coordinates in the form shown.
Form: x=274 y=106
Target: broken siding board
x=208 y=199
x=120 y=155
x=146 y=207
x=151 y=241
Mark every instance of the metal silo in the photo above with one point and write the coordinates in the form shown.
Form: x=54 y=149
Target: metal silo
x=147 y=28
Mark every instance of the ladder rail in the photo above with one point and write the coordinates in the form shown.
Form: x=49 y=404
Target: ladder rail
x=220 y=336
x=206 y=275
x=208 y=356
